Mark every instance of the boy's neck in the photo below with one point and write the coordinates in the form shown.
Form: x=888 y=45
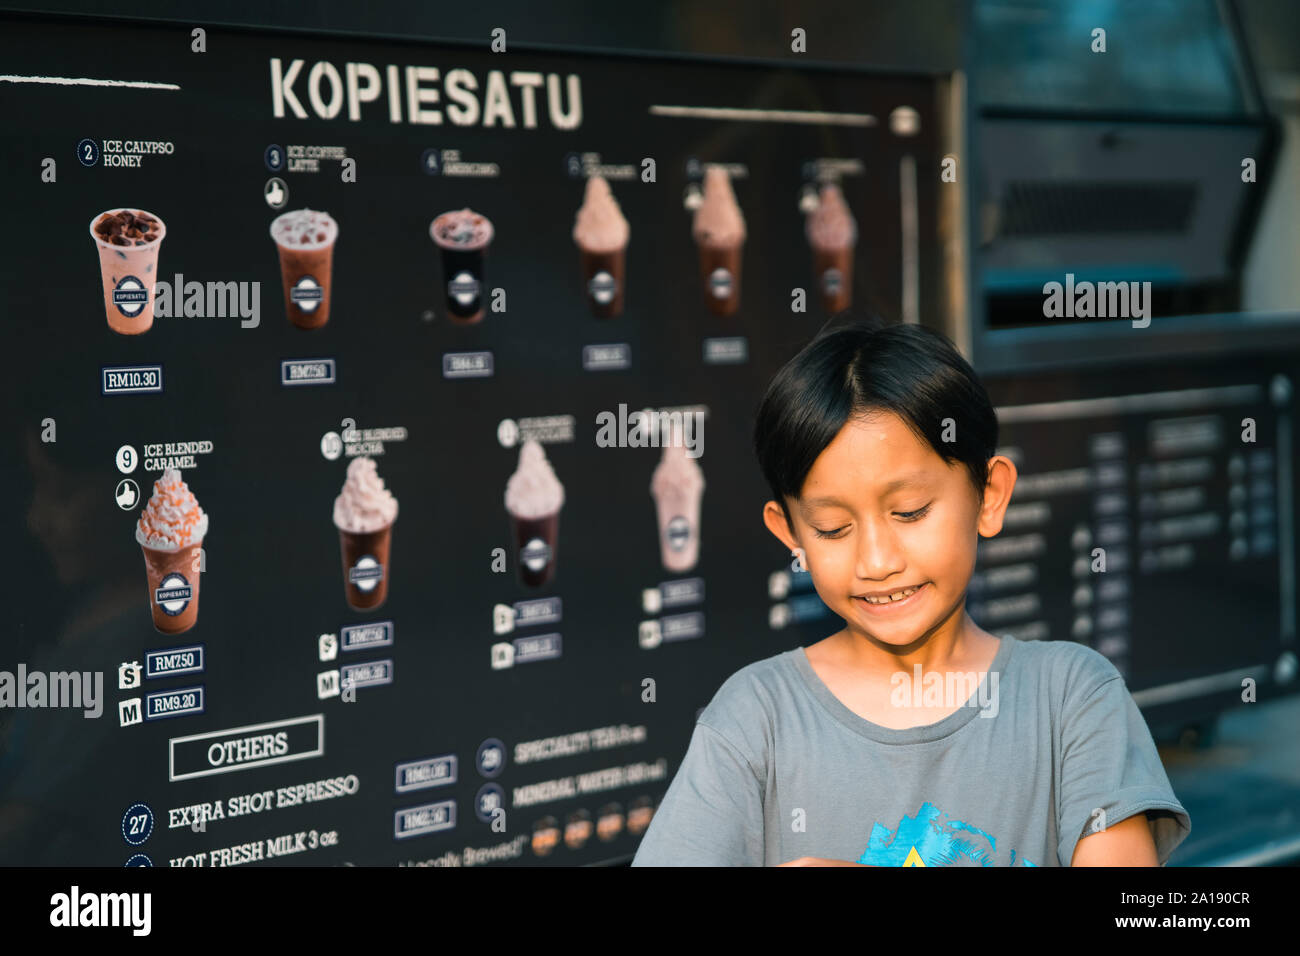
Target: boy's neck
x=950 y=647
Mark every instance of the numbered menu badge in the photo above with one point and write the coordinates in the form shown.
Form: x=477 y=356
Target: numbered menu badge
x=490 y=758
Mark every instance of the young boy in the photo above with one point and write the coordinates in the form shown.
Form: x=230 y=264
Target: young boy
x=869 y=747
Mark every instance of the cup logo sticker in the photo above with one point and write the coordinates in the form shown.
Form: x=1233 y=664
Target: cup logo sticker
x=306 y=294
x=831 y=280
x=463 y=288
x=603 y=287
x=679 y=530
x=535 y=554
x=720 y=283
x=130 y=296
x=173 y=594
x=366 y=573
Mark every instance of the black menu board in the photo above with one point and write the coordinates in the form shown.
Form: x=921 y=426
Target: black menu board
x=267 y=602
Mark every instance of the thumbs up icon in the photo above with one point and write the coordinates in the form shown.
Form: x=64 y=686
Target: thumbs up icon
x=127 y=494
x=276 y=192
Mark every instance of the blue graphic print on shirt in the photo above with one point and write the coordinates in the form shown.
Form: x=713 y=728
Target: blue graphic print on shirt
x=931 y=838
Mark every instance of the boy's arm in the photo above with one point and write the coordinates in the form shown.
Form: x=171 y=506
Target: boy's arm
x=1127 y=843
x=1115 y=806
x=821 y=861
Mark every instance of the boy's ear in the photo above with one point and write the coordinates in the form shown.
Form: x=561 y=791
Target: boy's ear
x=997 y=495
x=774 y=518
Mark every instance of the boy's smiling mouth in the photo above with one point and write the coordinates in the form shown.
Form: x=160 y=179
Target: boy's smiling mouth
x=890 y=601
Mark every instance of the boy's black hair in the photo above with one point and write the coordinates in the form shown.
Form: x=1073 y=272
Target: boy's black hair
x=859 y=363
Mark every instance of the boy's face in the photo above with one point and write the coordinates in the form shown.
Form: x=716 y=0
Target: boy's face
x=881 y=513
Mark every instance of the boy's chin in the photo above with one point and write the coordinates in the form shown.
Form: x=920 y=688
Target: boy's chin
x=894 y=635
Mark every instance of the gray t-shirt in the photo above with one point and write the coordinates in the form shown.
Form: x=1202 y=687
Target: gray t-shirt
x=778 y=768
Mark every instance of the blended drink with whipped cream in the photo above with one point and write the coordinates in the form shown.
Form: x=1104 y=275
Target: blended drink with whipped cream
x=463 y=236
x=833 y=234
x=534 y=497
x=601 y=234
x=128 y=241
x=677 y=485
x=305 y=238
x=170 y=532
x=719 y=231
x=364 y=513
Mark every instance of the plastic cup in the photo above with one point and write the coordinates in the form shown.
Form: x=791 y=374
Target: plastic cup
x=366 y=566
x=463 y=266
x=536 y=540
x=173 y=586
x=307 y=275
x=128 y=275
x=720 y=272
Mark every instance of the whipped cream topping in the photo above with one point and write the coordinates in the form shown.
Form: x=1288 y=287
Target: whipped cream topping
x=677 y=476
x=533 y=491
x=718 y=220
x=831 y=224
x=600 y=225
x=364 y=505
x=172 y=519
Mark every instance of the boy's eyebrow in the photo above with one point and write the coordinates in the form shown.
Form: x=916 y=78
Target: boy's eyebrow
x=914 y=477
x=818 y=502
x=911 y=478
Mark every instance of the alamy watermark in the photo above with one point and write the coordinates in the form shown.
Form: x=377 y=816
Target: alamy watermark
x=945 y=689
x=1098 y=300
x=649 y=428
x=82 y=690
x=132 y=911
x=209 y=300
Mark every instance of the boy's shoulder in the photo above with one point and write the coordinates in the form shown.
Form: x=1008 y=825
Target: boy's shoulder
x=755 y=683
x=1072 y=671
x=748 y=700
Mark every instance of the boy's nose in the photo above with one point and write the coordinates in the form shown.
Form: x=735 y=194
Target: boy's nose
x=879 y=555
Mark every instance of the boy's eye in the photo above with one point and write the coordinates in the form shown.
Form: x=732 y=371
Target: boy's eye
x=835 y=533
x=915 y=515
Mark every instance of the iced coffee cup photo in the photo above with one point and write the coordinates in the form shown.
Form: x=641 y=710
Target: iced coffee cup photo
x=534 y=497
x=305 y=239
x=364 y=513
x=128 y=241
x=170 y=532
x=677 y=486
x=833 y=234
x=601 y=233
x=719 y=231
x=463 y=236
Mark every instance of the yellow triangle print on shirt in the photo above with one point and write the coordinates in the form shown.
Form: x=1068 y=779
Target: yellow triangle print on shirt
x=913 y=859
